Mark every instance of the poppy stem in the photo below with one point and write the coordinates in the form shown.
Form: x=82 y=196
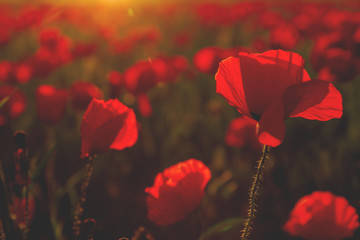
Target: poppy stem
x=254 y=192
x=84 y=186
x=2 y=233
x=27 y=214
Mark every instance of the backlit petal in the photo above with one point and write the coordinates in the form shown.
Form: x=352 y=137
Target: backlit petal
x=316 y=100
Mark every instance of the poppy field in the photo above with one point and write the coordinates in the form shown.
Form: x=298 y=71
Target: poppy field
x=169 y=120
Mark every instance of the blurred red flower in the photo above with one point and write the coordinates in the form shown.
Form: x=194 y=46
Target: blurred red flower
x=145 y=35
x=143 y=75
x=31 y=16
x=82 y=49
x=14 y=72
x=181 y=39
x=242 y=132
x=339 y=65
x=43 y=63
x=5 y=70
x=207 y=59
x=336 y=52
x=54 y=51
x=22 y=73
x=214 y=14
x=18 y=209
x=168 y=68
x=14 y=106
x=144 y=105
x=116 y=82
x=272 y=86
x=138 y=79
x=82 y=93
x=107 y=125
x=284 y=36
x=53 y=39
x=322 y=216
x=269 y=19
x=176 y=192
x=7 y=23
x=51 y=104
x=333 y=63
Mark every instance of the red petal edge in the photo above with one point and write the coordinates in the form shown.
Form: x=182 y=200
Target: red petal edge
x=315 y=100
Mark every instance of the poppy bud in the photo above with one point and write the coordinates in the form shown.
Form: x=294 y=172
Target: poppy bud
x=177 y=191
x=107 y=125
x=322 y=216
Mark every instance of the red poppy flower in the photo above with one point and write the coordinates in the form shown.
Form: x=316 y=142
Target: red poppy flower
x=242 y=132
x=273 y=85
x=82 y=93
x=177 y=191
x=51 y=104
x=322 y=216
x=107 y=125
x=14 y=106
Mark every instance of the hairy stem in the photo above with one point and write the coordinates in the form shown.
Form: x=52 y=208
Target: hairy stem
x=79 y=207
x=253 y=193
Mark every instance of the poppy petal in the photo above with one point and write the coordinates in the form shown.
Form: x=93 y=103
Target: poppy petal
x=315 y=100
x=229 y=84
x=289 y=61
x=176 y=192
x=100 y=139
x=263 y=81
x=127 y=136
x=271 y=127
x=322 y=215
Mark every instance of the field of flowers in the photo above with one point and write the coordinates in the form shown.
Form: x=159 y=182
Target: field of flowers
x=123 y=120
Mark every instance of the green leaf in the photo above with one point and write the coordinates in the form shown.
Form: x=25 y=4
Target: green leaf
x=43 y=163
x=4 y=100
x=222 y=228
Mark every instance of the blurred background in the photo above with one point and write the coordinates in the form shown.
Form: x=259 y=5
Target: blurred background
x=179 y=114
